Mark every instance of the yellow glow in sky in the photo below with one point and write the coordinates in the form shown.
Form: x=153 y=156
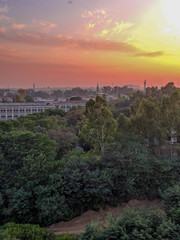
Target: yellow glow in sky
x=106 y=41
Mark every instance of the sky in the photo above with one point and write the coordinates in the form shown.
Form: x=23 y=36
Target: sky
x=69 y=43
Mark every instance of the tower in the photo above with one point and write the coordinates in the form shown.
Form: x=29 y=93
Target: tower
x=144 y=86
x=97 y=89
x=34 y=86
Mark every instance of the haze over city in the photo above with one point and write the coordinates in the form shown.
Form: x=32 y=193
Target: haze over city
x=82 y=42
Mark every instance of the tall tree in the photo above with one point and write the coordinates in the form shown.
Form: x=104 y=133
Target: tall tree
x=146 y=121
x=100 y=126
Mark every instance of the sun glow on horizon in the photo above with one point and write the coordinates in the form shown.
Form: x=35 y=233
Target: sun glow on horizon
x=105 y=41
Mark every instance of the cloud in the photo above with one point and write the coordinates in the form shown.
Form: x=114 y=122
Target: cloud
x=114 y=29
x=4 y=17
x=91 y=25
x=150 y=54
x=2 y=29
x=18 y=26
x=47 y=26
x=68 y=42
x=42 y=26
x=121 y=26
x=96 y=13
x=4 y=9
x=102 y=24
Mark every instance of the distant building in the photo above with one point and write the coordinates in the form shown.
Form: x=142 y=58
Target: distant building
x=87 y=98
x=136 y=87
x=67 y=105
x=111 y=98
x=173 y=137
x=42 y=100
x=9 y=99
x=62 y=99
x=11 y=111
x=39 y=99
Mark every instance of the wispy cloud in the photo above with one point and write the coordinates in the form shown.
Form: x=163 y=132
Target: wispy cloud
x=2 y=29
x=101 y=24
x=18 y=26
x=4 y=17
x=96 y=13
x=150 y=54
x=4 y=9
x=114 y=29
x=41 y=26
x=47 y=26
x=68 y=42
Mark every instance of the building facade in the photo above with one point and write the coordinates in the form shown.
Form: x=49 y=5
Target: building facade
x=69 y=104
x=11 y=111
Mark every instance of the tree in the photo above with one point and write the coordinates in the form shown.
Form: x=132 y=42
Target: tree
x=77 y=98
x=146 y=121
x=66 y=140
x=171 y=202
x=19 y=97
x=21 y=92
x=28 y=99
x=131 y=225
x=106 y=89
x=74 y=116
x=57 y=93
x=124 y=124
x=168 y=89
x=99 y=127
x=15 y=231
x=15 y=146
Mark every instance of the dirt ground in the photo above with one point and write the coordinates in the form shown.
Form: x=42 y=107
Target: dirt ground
x=78 y=224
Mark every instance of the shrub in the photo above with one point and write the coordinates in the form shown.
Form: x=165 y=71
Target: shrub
x=171 y=198
x=15 y=231
x=65 y=236
x=171 y=202
x=134 y=225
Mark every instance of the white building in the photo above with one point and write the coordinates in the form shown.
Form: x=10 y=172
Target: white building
x=67 y=105
x=11 y=111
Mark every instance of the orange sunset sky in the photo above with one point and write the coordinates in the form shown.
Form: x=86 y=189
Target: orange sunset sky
x=61 y=43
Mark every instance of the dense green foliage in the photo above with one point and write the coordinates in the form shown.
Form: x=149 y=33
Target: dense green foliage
x=56 y=165
x=65 y=236
x=135 y=225
x=12 y=231
x=171 y=202
x=99 y=125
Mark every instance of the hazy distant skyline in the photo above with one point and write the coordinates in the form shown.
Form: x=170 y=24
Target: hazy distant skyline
x=81 y=42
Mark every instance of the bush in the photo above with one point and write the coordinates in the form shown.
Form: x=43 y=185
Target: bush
x=171 y=197
x=65 y=236
x=134 y=225
x=12 y=231
x=171 y=202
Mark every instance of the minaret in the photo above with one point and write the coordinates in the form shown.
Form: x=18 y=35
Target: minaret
x=144 y=86
x=34 y=87
x=97 y=89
